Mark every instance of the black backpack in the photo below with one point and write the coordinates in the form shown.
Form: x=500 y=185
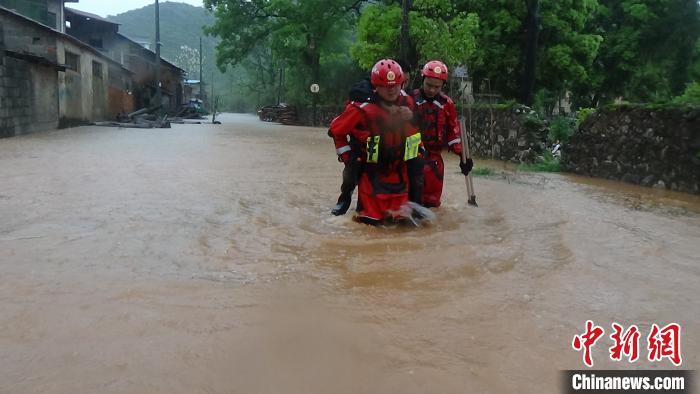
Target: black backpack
x=362 y=91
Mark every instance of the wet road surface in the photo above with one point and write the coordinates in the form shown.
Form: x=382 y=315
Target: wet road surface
x=203 y=259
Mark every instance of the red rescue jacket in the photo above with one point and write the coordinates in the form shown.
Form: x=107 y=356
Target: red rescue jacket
x=437 y=121
x=351 y=129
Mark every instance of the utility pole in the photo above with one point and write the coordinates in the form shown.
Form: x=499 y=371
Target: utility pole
x=213 y=99
x=201 y=74
x=159 y=94
x=279 y=87
x=315 y=53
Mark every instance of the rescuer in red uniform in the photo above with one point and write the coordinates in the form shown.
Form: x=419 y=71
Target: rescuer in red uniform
x=436 y=116
x=383 y=133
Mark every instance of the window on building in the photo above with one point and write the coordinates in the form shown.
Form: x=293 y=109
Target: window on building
x=96 y=70
x=73 y=61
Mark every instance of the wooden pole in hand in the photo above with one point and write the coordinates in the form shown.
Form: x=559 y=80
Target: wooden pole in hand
x=466 y=154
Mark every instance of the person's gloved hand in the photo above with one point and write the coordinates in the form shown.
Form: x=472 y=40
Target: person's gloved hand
x=405 y=113
x=466 y=167
x=344 y=157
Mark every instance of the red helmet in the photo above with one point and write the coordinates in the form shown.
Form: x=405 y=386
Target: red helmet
x=387 y=72
x=435 y=69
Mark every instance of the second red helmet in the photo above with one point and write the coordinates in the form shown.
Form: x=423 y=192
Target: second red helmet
x=435 y=69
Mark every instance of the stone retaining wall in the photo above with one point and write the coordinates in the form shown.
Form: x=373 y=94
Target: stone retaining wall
x=650 y=147
x=514 y=137
x=508 y=134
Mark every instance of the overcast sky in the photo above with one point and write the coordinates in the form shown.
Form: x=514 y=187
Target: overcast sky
x=113 y=7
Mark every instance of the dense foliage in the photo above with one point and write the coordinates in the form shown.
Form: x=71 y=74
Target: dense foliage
x=594 y=52
x=650 y=51
x=309 y=39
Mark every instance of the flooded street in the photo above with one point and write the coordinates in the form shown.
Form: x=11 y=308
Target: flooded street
x=204 y=259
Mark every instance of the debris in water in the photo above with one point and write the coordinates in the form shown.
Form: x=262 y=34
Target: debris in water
x=414 y=214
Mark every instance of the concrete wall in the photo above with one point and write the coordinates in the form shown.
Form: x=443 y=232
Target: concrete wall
x=28 y=97
x=651 y=147
x=83 y=96
x=36 y=95
x=121 y=99
x=26 y=37
x=56 y=7
x=135 y=58
x=28 y=88
x=39 y=10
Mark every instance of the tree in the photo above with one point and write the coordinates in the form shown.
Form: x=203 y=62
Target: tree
x=565 y=45
x=568 y=46
x=258 y=75
x=296 y=31
x=499 y=50
x=648 y=50
x=188 y=60
x=377 y=35
x=436 y=29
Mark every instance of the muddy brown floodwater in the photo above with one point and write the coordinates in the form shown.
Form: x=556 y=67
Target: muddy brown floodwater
x=203 y=259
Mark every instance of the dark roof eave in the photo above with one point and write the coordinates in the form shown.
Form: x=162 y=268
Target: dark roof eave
x=61 y=35
x=149 y=51
x=89 y=15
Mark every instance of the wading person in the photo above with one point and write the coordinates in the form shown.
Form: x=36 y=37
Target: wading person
x=360 y=93
x=387 y=139
x=351 y=124
x=436 y=116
